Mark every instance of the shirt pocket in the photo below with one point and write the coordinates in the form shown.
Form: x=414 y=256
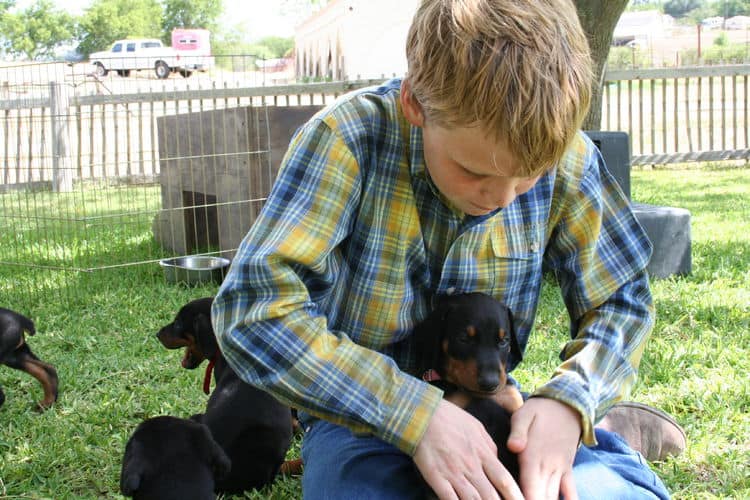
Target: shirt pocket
x=514 y=260
x=516 y=241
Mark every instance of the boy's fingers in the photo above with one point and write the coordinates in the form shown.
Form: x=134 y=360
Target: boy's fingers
x=443 y=490
x=519 y=430
x=504 y=483
x=568 y=487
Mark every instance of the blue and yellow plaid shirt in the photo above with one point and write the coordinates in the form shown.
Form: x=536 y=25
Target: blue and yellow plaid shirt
x=354 y=241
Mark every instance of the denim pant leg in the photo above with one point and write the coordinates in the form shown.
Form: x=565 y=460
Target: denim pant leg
x=340 y=465
x=612 y=470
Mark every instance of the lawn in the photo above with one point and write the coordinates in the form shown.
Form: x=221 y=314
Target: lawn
x=98 y=329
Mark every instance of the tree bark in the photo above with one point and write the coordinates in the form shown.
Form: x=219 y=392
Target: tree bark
x=598 y=19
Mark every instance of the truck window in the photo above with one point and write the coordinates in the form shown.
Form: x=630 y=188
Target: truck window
x=131 y=47
x=117 y=47
x=149 y=45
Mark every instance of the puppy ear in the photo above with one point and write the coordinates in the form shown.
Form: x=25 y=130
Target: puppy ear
x=515 y=347
x=205 y=337
x=428 y=335
x=133 y=466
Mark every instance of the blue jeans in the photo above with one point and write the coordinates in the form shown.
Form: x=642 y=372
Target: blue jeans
x=340 y=465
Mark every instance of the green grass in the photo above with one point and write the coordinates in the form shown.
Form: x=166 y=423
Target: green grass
x=99 y=329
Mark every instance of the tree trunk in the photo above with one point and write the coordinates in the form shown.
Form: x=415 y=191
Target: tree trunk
x=598 y=19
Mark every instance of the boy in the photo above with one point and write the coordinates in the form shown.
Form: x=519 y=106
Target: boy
x=467 y=176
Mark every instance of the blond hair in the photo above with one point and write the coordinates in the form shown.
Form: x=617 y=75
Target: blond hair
x=518 y=69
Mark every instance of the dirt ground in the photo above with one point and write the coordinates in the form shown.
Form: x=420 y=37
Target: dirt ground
x=664 y=49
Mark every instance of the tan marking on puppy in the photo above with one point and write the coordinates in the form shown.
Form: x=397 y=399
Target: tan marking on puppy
x=462 y=373
x=459 y=398
x=192 y=353
x=36 y=369
x=509 y=397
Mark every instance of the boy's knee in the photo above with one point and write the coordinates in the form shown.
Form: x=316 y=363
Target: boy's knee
x=339 y=464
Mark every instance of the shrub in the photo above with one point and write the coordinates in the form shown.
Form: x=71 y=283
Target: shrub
x=627 y=58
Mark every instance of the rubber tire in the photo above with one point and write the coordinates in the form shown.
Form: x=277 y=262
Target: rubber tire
x=162 y=70
x=100 y=70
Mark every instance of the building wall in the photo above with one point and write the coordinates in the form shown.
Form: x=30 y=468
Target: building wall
x=351 y=39
x=318 y=43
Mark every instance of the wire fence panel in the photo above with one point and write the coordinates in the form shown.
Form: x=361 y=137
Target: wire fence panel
x=108 y=176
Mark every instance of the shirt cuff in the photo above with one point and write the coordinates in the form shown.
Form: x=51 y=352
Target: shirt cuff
x=560 y=389
x=413 y=403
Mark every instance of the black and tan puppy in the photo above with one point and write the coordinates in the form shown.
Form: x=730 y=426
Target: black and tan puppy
x=170 y=458
x=15 y=352
x=253 y=428
x=463 y=347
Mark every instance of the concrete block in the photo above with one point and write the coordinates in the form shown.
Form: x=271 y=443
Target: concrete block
x=668 y=228
x=615 y=149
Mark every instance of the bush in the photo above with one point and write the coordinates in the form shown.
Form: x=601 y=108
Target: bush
x=627 y=58
x=736 y=53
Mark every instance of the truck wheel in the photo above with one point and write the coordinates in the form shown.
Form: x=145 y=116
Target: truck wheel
x=185 y=73
x=99 y=70
x=161 y=69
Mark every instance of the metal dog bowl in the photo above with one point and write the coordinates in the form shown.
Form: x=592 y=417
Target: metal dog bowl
x=194 y=269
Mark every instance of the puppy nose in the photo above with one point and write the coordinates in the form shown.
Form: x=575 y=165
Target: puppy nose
x=488 y=382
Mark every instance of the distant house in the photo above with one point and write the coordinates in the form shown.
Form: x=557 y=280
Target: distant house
x=351 y=39
x=641 y=26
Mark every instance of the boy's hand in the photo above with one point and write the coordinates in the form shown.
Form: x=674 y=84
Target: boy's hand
x=458 y=459
x=545 y=434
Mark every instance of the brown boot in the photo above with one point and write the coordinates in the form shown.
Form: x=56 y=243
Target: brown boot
x=646 y=429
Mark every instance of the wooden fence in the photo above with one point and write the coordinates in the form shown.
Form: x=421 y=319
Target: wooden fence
x=58 y=134
x=680 y=114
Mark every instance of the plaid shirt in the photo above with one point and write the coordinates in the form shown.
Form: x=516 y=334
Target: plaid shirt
x=354 y=241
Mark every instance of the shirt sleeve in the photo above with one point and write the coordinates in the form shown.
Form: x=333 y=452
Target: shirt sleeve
x=269 y=315
x=598 y=252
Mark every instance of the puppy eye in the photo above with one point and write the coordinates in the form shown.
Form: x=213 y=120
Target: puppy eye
x=178 y=325
x=502 y=338
x=468 y=335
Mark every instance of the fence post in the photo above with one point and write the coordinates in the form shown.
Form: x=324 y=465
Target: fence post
x=62 y=173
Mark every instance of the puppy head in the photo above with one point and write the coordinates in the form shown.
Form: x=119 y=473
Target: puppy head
x=467 y=340
x=192 y=330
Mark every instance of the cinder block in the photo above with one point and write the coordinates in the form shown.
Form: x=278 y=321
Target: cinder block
x=615 y=149
x=668 y=228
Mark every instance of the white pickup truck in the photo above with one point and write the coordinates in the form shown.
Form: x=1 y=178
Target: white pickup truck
x=150 y=54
